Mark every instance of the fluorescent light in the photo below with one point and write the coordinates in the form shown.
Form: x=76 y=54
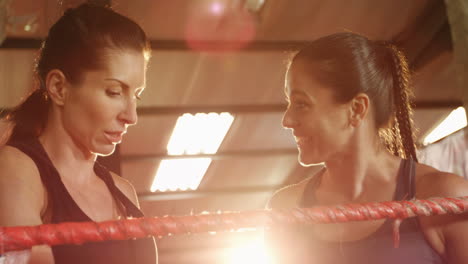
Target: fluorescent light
x=193 y=134
x=455 y=121
x=199 y=134
x=183 y=174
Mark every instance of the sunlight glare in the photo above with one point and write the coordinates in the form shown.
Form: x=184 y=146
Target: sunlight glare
x=253 y=252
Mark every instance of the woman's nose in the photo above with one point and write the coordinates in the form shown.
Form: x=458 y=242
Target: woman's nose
x=289 y=121
x=129 y=114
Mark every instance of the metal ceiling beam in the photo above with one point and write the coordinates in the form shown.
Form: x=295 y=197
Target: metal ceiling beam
x=21 y=43
x=264 y=108
x=457 y=11
x=437 y=104
x=172 y=44
x=251 y=109
x=216 y=156
x=257 y=45
x=180 y=195
x=441 y=42
x=421 y=35
x=235 y=109
x=413 y=40
x=100 y=2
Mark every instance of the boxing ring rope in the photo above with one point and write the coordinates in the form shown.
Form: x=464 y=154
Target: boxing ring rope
x=24 y=237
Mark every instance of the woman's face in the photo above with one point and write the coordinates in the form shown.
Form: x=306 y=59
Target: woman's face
x=98 y=110
x=319 y=124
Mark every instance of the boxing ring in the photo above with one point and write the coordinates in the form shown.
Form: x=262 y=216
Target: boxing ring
x=18 y=238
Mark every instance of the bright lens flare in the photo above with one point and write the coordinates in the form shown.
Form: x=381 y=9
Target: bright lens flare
x=219 y=27
x=217 y=8
x=253 y=252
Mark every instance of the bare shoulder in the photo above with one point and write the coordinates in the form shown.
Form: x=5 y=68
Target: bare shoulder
x=11 y=154
x=20 y=187
x=431 y=182
x=126 y=187
x=15 y=165
x=289 y=196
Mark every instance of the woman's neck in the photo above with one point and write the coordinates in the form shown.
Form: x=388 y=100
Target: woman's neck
x=67 y=156
x=359 y=175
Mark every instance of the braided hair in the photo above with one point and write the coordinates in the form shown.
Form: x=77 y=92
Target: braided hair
x=404 y=139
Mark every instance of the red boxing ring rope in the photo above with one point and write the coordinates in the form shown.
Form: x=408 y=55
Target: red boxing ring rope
x=24 y=237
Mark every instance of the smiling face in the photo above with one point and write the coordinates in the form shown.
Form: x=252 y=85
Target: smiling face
x=318 y=122
x=97 y=112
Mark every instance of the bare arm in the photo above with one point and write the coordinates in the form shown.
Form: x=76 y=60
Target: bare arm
x=22 y=197
x=448 y=234
x=455 y=229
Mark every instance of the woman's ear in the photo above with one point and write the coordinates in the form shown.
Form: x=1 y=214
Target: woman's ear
x=358 y=109
x=56 y=85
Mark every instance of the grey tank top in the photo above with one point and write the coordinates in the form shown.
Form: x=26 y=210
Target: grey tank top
x=376 y=248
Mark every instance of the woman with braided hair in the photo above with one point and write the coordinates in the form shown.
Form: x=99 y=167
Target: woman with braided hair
x=91 y=71
x=349 y=109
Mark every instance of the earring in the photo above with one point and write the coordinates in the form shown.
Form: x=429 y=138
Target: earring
x=354 y=122
x=45 y=94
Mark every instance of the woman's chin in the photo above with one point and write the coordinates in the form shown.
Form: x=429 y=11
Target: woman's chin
x=105 y=150
x=309 y=160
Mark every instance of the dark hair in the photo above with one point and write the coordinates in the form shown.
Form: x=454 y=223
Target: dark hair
x=352 y=64
x=76 y=43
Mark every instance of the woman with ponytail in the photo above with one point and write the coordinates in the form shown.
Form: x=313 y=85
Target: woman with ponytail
x=90 y=72
x=349 y=109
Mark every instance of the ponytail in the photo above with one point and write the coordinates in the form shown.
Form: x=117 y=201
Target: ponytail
x=29 y=118
x=403 y=137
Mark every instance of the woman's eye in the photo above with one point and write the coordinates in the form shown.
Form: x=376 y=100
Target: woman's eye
x=299 y=104
x=113 y=93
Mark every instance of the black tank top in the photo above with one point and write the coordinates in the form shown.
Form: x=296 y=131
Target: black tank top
x=65 y=209
x=378 y=247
